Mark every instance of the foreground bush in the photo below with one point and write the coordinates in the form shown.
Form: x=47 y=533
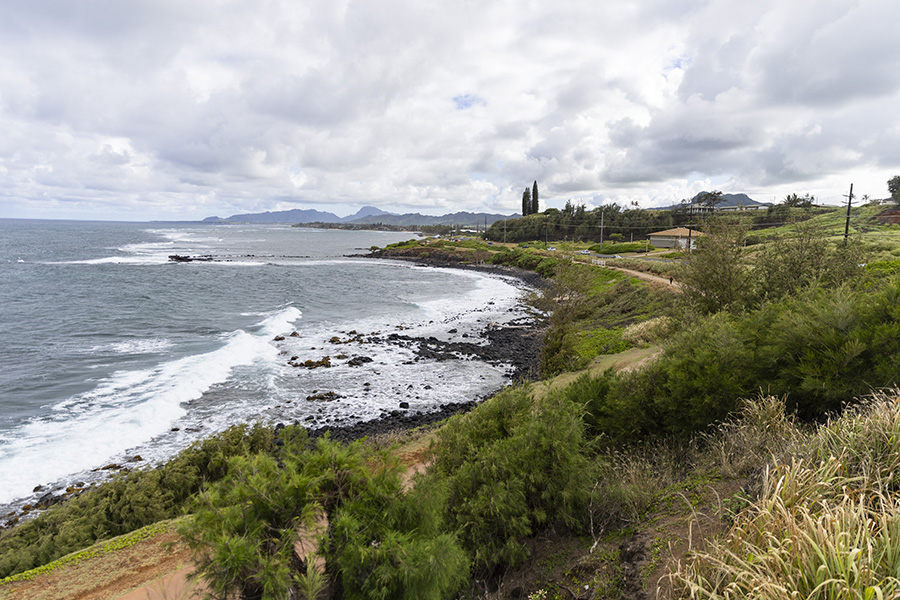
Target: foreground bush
x=128 y=502
x=348 y=504
x=513 y=468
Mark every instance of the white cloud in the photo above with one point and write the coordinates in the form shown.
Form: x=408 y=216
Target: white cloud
x=162 y=109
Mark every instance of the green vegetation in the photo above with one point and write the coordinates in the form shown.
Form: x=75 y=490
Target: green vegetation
x=616 y=224
x=588 y=309
x=619 y=248
x=894 y=188
x=128 y=502
x=510 y=469
x=576 y=223
x=825 y=524
x=377 y=542
x=820 y=350
x=515 y=257
x=118 y=543
x=530 y=203
x=413 y=243
x=513 y=468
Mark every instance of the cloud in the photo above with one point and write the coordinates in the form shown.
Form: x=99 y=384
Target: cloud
x=163 y=109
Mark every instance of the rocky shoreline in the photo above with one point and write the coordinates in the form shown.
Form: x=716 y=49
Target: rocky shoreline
x=517 y=344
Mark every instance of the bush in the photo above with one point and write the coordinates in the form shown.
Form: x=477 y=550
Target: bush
x=885 y=268
x=128 y=502
x=413 y=243
x=377 y=541
x=821 y=351
x=512 y=468
x=544 y=266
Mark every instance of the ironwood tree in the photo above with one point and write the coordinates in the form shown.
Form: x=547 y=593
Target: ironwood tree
x=894 y=188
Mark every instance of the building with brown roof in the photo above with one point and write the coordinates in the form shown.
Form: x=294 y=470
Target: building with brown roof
x=679 y=238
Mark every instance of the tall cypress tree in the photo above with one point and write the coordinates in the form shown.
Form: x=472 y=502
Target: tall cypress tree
x=526 y=202
x=534 y=199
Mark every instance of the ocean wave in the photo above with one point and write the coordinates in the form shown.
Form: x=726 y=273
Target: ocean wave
x=125 y=410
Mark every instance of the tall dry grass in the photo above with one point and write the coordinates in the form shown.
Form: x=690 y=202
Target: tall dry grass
x=827 y=522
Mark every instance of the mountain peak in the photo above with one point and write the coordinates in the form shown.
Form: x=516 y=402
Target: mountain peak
x=366 y=211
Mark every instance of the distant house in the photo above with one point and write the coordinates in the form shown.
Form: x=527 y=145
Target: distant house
x=674 y=238
x=729 y=203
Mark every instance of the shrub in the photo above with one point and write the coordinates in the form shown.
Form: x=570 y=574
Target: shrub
x=592 y=393
x=700 y=378
x=413 y=243
x=512 y=468
x=715 y=275
x=820 y=351
x=806 y=258
x=128 y=502
x=620 y=248
x=884 y=268
x=377 y=541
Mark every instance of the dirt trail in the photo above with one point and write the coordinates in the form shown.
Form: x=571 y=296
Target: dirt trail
x=656 y=280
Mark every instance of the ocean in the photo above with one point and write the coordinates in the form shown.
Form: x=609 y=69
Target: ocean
x=109 y=350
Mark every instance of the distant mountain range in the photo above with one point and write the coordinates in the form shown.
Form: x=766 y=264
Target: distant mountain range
x=297 y=216
x=367 y=215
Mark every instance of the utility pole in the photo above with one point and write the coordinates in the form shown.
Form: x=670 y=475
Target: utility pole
x=847 y=225
x=602 y=214
x=690 y=218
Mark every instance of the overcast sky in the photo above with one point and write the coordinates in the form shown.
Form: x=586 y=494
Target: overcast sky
x=182 y=109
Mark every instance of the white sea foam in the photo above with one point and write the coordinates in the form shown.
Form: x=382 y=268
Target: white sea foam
x=115 y=260
x=184 y=235
x=139 y=346
x=124 y=410
x=280 y=321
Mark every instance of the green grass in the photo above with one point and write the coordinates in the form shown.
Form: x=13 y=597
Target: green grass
x=414 y=243
x=595 y=342
x=833 y=222
x=620 y=248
